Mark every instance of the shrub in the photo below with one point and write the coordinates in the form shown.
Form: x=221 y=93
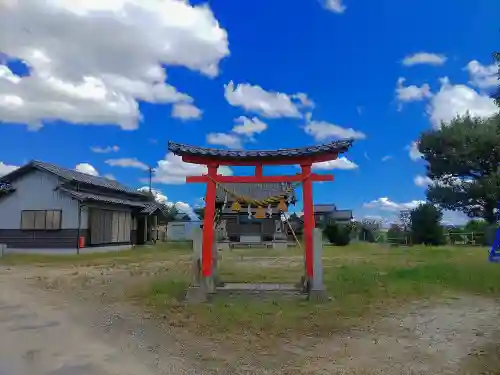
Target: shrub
x=339 y=236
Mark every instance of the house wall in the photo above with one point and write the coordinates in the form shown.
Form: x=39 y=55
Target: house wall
x=36 y=191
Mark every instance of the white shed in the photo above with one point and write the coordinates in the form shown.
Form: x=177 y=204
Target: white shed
x=181 y=230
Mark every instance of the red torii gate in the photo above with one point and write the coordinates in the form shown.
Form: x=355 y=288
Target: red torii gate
x=213 y=158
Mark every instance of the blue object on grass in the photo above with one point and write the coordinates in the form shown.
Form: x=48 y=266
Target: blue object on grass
x=495 y=249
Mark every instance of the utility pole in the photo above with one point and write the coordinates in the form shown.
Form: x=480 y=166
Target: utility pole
x=150 y=173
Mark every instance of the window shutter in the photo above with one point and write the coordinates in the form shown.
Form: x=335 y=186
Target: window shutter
x=27 y=220
x=40 y=219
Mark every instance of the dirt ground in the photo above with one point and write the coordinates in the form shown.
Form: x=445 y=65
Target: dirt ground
x=53 y=323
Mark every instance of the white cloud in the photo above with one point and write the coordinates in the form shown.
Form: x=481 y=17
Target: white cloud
x=157 y=194
x=385 y=204
x=424 y=58
x=6 y=169
x=185 y=208
x=413 y=151
x=322 y=130
x=386 y=158
x=304 y=100
x=253 y=98
x=243 y=130
x=422 y=181
x=339 y=163
x=105 y=150
x=186 y=111
x=91 y=61
x=87 y=169
x=482 y=76
x=453 y=100
x=224 y=139
x=248 y=126
x=335 y=6
x=411 y=93
x=127 y=163
x=182 y=207
x=172 y=170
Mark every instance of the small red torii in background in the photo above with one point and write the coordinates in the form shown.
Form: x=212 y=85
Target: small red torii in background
x=213 y=158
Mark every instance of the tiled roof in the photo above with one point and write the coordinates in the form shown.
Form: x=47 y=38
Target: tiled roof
x=83 y=196
x=147 y=208
x=150 y=208
x=332 y=147
x=341 y=215
x=69 y=174
x=324 y=208
x=74 y=176
x=255 y=191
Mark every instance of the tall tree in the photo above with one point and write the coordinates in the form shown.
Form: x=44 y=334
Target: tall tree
x=426 y=225
x=405 y=219
x=464 y=163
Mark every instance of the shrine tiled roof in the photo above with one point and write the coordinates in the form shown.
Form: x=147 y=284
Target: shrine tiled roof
x=327 y=148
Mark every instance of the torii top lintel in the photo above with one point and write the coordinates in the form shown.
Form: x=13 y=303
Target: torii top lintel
x=284 y=156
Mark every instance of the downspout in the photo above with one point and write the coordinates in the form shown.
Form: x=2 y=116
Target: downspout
x=79 y=226
x=79 y=222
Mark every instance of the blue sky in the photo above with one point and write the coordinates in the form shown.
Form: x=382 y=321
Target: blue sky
x=125 y=77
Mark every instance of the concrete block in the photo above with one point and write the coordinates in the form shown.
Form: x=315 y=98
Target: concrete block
x=196 y=294
x=318 y=296
x=223 y=245
x=280 y=245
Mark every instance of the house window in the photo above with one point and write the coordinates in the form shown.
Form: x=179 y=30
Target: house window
x=41 y=220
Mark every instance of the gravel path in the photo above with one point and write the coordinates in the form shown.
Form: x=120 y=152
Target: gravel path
x=43 y=338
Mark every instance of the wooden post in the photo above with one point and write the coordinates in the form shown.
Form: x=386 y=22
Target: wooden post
x=308 y=218
x=208 y=222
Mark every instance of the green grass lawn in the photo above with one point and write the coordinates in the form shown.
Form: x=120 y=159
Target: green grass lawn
x=161 y=251
x=364 y=281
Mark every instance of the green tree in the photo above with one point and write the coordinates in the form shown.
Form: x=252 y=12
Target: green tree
x=426 y=225
x=476 y=226
x=464 y=163
x=484 y=233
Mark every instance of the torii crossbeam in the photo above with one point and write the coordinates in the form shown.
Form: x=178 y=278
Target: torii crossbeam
x=213 y=158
